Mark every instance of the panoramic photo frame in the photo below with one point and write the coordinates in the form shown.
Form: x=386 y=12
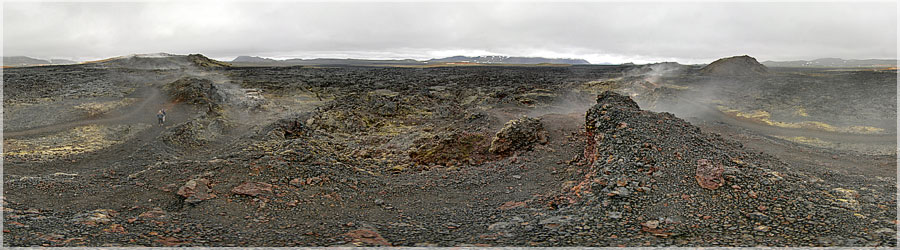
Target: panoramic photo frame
x=449 y=124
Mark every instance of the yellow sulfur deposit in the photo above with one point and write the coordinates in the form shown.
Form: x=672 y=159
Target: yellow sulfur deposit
x=765 y=118
x=807 y=140
x=676 y=87
x=801 y=112
x=99 y=108
x=864 y=130
x=73 y=141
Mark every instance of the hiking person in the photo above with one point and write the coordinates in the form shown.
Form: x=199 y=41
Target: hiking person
x=161 y=116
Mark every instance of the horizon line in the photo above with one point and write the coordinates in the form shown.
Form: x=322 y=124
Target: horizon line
x=226 y=59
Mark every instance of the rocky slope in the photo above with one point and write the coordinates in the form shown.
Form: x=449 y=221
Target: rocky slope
x=656 y=175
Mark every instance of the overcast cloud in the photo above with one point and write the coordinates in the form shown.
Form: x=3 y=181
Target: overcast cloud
x=599 y=32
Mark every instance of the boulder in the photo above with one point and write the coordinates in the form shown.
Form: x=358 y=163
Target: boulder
x=709 y=175
x=195 y=191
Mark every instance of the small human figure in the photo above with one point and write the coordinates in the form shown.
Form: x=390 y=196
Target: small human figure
x=161 y=116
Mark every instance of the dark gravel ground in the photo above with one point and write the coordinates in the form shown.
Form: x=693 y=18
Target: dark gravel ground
x=401 y=157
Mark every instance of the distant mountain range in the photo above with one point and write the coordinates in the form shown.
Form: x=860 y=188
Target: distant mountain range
x=145 y=60
x=23 y=61
x=834 y=63
x=253 y=60
x=509 y=60
x=155 y=61
x=259 y=61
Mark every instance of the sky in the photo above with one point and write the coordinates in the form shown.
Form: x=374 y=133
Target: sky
x=600 y=32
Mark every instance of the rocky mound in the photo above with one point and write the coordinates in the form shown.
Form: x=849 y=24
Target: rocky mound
x=451 y=149
x=289 y=148
x=366 y=112
x=194 y=90
x=735 y=66
x=518 y=134
x=197 y=90
x=197 y=132
x=159 y=61
x=666 y=180
x=204 y=62
x=291 y=127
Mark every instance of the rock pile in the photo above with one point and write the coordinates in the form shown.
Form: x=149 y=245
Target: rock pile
x=518 y=134
x=197 y=132
x=367 y=112
x=290 y=127
x=449 y=149
x=662 y=175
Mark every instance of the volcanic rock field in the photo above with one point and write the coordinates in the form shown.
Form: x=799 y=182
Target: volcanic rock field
x=727 y=154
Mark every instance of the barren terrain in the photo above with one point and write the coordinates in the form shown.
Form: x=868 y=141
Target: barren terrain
x=581 y=155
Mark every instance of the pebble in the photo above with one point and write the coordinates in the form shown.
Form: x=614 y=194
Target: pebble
x=614 y=215
x=758 y=216
x=621 y=192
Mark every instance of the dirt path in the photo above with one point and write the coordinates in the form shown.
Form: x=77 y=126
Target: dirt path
x=150 y=95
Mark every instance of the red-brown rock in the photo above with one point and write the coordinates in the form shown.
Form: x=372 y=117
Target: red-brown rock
x=252 y=188
x=709 y=175
x=195 y=191
x=512 y=204
x=367 y=236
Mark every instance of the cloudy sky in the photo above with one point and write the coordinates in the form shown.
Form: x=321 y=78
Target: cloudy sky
x=601 y=32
